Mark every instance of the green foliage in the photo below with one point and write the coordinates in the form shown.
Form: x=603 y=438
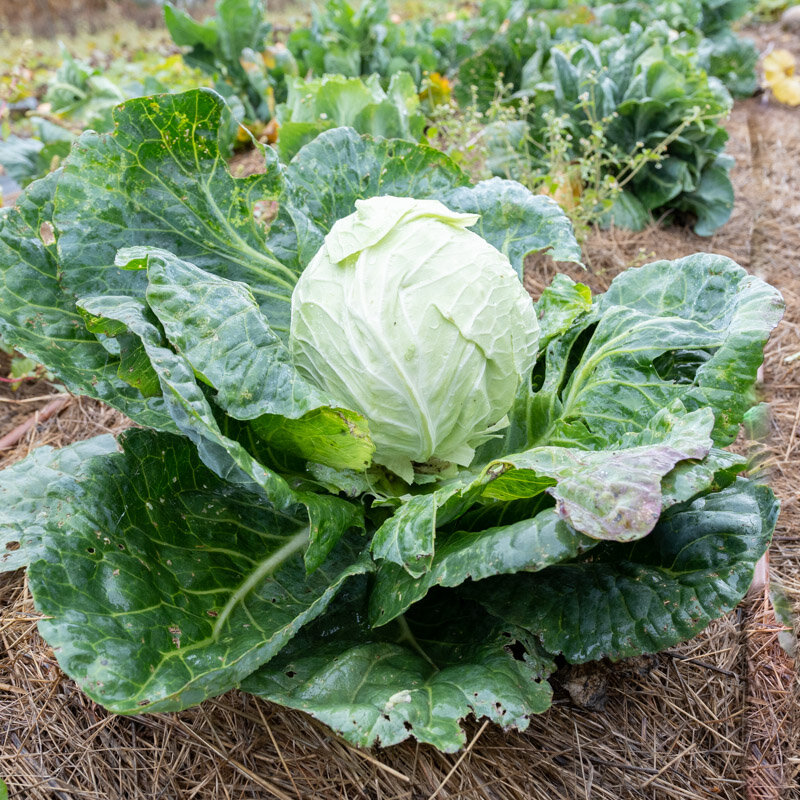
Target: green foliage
x=243 y=535
x=705 y=26
x=26 y=159
x=79 y=91
x=232 y=47
x=347 y=41
x=635 y=110
x=333 y=101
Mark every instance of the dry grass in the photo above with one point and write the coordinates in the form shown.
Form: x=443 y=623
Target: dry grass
x=714 y=718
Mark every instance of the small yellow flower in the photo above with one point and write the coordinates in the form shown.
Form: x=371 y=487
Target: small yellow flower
x=779 y=75
x=436 y=89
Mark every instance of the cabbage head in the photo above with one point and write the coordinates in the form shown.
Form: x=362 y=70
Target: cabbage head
x=418 y=324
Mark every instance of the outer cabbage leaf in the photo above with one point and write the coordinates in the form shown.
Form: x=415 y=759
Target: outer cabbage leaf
x=640 y=598
x=689 y=331
x=40 y=320
x=23 y=493
x=407 y=537
x=738 y=310
x=517 y=222
x=528 y=545
x=614 y=493
x=161 y=180
x=216 y=325
x=417 y=677
x=559 y=306
x=25 y=159
x=328 y=175
x=711 y=200
x=692 y=478
x=324 y=180
x=329 y=516
x=164 y=584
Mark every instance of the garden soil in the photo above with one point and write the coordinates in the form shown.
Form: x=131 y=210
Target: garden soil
x=717 y=717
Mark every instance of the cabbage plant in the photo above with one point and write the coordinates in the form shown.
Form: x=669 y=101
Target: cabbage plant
x=258 y=529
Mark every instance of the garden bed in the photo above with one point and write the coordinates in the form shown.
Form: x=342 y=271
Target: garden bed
x=716 y=717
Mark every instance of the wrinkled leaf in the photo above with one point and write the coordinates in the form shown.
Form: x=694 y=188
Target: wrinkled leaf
x=161 y=180
x=328 y=175
x=517 y=222
x=164 y=585
x=559 y=306
x=644 y=597
x=329 y=516
x=528 y=545
x=613 y=493
x=415 y=678
x=218 y=328
x=23 y=494
x=40 y=320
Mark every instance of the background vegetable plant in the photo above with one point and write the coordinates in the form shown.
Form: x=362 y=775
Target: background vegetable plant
x=234 y=47
x=646 y=96
x=243 y=537
x=318 y=104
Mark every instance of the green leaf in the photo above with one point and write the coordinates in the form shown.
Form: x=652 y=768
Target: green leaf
x=218 y=328
x=161 y=180
x=329 y=516
x=335 y=100
x=187 y=32
x=712 y=199
x=692 y=478
x=691 y=330
x=683 y=302
x=627 y=211
x=240 y=24
x=559 y=306
x=417 y=677
x=529 y=545
x=40 y=320
x=407 y=537
x=631 y=599
x=328 y=175
x=517 y=222
x=24 y=490
x=611 y=493
x=164 y=585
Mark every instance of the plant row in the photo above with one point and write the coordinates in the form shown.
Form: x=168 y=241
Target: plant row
x=614 y=108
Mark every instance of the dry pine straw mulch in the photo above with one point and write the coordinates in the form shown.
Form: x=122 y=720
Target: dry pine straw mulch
x=716 y=717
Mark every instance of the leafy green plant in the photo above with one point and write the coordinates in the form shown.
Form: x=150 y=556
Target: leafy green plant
x=244 y=535
x=80 y=91
x=232 y=47
x=638 y=115
x=705 y=26
x=350 y=41
x=318 y=104
x=25 y=158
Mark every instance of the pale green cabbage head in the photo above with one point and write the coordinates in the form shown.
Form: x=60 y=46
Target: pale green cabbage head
x=418 y=324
